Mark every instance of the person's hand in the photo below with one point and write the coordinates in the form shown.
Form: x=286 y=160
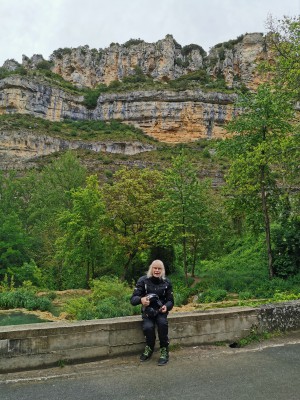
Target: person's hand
x=163 y=309
x=145 y=301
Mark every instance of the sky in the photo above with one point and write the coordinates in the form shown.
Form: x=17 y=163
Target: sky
x=41 y=26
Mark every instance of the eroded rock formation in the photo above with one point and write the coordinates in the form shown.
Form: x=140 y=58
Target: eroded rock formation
x=166 y=115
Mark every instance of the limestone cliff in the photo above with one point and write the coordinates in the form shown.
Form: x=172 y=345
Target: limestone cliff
x=20 y=148
x=164 y=60
x=167 y=115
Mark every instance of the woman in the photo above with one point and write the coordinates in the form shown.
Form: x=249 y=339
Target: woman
x=154 y=291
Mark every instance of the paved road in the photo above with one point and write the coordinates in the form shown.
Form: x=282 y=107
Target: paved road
x=267 y=371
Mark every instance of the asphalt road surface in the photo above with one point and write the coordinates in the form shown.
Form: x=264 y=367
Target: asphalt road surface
x=269 y=370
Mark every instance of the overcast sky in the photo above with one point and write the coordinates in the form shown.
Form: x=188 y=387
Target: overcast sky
x=42 y=26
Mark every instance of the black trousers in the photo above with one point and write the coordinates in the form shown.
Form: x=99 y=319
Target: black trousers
x=161 y=322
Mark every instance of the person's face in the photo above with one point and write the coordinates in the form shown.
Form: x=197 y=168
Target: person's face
x=157 y=271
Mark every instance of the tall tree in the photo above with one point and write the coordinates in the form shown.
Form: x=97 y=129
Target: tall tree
x=261 y=133
x=130 y=204
x=45 y=194
x=183 y=213
x=80 y=247
x=284 y=42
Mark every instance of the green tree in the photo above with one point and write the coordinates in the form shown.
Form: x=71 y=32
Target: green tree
x=80 y=247
x=130 y=205
x=14 y=243
x=183 y=213
x=284 y=42
x=45 y=195
x=261 y=135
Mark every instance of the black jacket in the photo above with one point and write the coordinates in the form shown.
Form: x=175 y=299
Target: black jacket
x=161 y=287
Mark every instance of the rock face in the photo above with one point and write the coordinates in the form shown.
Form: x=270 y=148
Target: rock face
x=169 y=116
x=25 y=96
x=17 y=148
x=163 y=60
x=237 y=63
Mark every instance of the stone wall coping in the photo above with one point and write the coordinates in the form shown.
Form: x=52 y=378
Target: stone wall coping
x=111 y=323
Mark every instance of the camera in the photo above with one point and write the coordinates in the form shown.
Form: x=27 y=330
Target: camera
x=154 y=308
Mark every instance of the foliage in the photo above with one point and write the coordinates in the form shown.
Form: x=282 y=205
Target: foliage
x=133 y=42
x=46 y=65
x=91 y=96
x=230 y=43
x=59 y=53
x=182 y=291
x=4 y=73
x=183 y=212
x=286 y=247
x=284 y=42
x=109 y=299
x=29 y=271
x=212 y=295
x=136 y=77
x=254 y=336
x=190 y=47
x=14 y=243
x=242 y=271
x=130 y=203
x=79 y=246
x=24 y=298
x=68 y=129
x=262 y=133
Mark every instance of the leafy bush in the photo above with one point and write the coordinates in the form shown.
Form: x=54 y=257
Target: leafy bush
x=27 y=272
x=22 y=298
x=286 y=240
x=187 y=49
x=245 y=295
x=59 y=53
x=133 y=42
x=81 y=308
x=285 y=296
x=91 y=96
x=212 y=296
x=46 y=65
x=110 y=298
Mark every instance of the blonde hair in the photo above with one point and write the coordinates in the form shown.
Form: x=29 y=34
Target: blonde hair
x=157 y=263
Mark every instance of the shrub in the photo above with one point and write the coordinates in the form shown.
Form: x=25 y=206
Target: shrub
x=187 y=49
x=212 y=296
x=245 y=295
x=46 y=65
x=110 y=298
x=286 y=240
x=22 y=298
x=133 y=42
x=81 y=308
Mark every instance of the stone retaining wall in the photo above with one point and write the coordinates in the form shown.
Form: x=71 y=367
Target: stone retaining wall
x=46 y=344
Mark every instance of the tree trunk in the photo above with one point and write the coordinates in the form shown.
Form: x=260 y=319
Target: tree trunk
x=126 y=266
x=267 y=223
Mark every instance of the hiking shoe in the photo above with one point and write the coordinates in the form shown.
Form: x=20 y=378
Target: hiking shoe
x=164 y=356
x=147 y=354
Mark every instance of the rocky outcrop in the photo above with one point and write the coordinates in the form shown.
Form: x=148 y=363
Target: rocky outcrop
x=161 y=60
x=25 y=96
x=170 y=116
x=20 y=147
x=237 y=63
x=235 y=60
x=167 y=116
